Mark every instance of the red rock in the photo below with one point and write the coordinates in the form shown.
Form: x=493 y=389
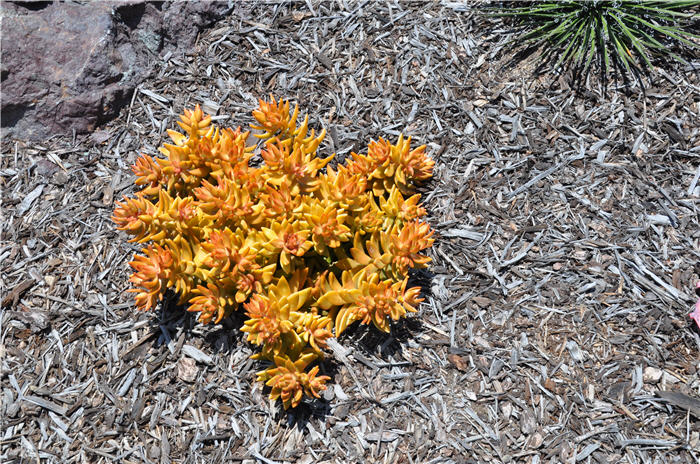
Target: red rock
x=69 y=66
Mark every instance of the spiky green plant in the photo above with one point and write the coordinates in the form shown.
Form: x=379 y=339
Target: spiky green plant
x=622 y=35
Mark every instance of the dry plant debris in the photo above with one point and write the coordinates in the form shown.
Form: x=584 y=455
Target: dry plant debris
x=564 y=266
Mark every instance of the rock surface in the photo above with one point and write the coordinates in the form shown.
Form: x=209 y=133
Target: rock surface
x=70 y=66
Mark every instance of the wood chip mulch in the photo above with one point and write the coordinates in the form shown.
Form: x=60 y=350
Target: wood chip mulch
x=555 y=326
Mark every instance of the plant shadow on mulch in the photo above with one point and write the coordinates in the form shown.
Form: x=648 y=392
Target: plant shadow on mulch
x=221 y=339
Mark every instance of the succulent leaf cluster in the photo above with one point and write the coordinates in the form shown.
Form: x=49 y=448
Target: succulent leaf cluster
x=304 y=249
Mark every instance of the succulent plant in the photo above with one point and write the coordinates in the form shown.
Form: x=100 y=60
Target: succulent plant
x=302 y=248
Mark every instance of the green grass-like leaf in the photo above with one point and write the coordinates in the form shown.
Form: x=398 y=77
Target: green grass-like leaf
x=622 y=36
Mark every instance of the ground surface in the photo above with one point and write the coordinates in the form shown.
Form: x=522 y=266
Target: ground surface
x=556 y=305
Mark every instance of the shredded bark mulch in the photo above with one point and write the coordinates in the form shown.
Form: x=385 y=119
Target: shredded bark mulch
x=555 y=326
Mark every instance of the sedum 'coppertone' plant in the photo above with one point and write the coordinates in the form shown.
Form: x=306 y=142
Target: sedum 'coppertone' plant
x=302 y=248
